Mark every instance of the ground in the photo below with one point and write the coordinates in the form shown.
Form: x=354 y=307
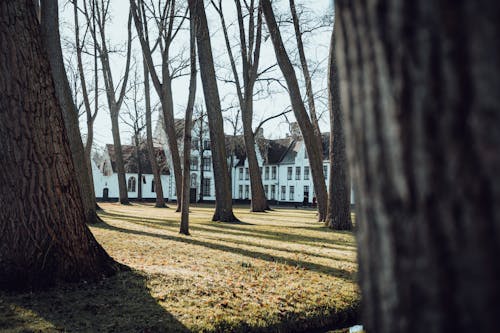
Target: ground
x=275 y=272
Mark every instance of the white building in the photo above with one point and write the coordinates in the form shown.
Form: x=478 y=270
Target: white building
x=285 y=170
x=106 y=179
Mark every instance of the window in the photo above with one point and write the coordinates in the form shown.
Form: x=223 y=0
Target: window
x=153 y=186
x=266 y=175
x=195 y=145
x=266 y=189
x=247 y=177
x=273 y=192
x=305 y=154
x=194 y=163
x=273 y=172
x=240 y=191
x=306 y=193
x=325 y=171
x=291 y=194
x=289 y=173
x=247 y=191
x=297 y=173
x=207 y=164
x=306 y=173
x=283 y=192
x=260 y=172
x=206 y=187
x=206 y=145
x=194 y=180
x=131 y=184
x=240 y=174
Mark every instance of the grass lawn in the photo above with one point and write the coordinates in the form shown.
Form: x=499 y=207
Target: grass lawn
x=276 y=272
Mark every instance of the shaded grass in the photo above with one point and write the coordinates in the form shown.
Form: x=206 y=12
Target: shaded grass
x=277 y=272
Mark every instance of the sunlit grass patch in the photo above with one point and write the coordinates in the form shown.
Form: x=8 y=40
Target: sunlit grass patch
x=276 y=271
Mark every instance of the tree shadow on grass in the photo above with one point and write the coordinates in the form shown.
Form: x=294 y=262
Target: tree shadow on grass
x=121 y=303
x=337 y=272
x=231 y=228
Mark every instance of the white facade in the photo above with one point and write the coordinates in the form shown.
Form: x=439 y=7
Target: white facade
x=286 y=177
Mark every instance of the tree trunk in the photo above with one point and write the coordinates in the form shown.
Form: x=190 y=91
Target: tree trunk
x=50 y=36
x=339 y=200
x=184 y=229
x=120 y=166
x=43 y=236
x=305 y=72
x=224 y=204
x=250 y=64
x=314 y=151
x=419 y=83
x=168 y=116
x=160 y=200
x=259 y=200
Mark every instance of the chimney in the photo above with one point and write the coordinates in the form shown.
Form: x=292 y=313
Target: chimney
x=295 y=130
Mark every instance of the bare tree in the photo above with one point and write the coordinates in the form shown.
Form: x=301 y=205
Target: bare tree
x=419 y=90
x=314 y=150
x=224 y=205
x=100 y=12
x=339 y=200
x=50 y=34
x=305 y=72
x=91 y=114
x=184 y=229
x=244 y=84
x=43 y=236
x=164 y=15
x=160 y=200
x=134 y=117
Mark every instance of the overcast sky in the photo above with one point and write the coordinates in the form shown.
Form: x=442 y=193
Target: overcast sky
x=317 y=44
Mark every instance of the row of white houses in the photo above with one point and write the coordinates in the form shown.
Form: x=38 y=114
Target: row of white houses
x=284 y=165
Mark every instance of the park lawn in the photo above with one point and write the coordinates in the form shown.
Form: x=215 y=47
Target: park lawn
x=278 y=271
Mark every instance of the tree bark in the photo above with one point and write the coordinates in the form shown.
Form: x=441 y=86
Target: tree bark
x=50 y=36
x=43 y=236
x=120 y=165
x=223 y=205
x=184 y=229
x=314 y=152
x=419 y=84
x=339 y=200
x=160 y=200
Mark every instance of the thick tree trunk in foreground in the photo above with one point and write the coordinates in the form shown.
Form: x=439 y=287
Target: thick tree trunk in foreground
x=188 y=124
x=50 y=36
x=43 y=236
x=160 y=200
x=314 y=151
x=224 y=204
x=339 y=200
x=419 y=83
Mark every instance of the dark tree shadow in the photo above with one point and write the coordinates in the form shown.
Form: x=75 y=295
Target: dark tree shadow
x=337 y=272
x=121 y=303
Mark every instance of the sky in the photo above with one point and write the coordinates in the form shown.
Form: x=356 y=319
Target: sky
x=273 y=101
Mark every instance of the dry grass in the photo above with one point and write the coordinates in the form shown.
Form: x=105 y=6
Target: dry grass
x=276 y=271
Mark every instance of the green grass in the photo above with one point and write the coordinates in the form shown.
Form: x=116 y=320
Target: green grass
x=276 y=272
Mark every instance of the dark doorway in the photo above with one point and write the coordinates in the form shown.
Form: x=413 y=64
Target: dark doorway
x=192 y=195
x=105 y=194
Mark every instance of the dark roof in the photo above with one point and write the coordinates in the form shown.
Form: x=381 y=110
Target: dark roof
x=130 y=159
x=273 y=151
